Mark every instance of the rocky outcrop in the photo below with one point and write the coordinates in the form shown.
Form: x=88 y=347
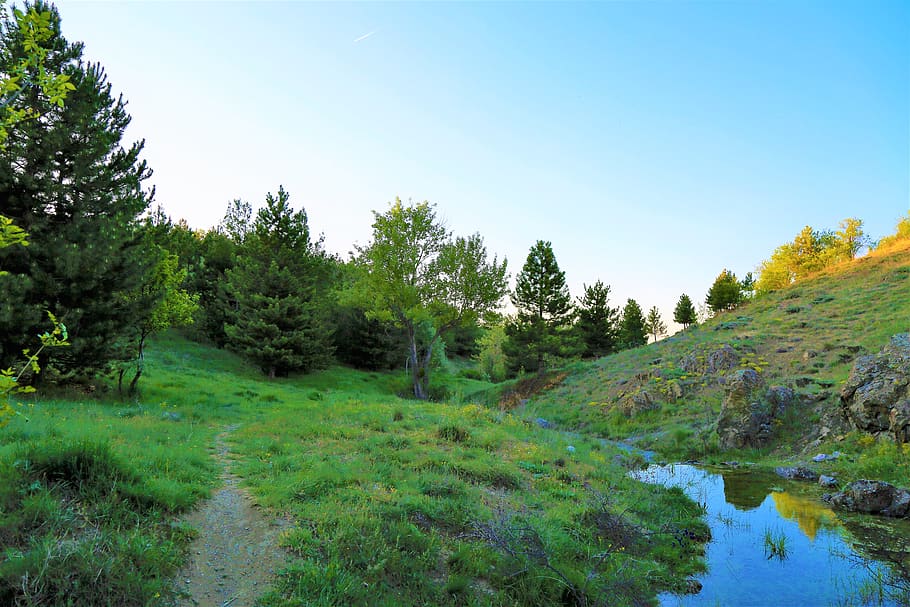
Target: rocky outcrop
x=716 y=361
x=749 y=410
x=876 y=397
x=638 y=402
x=743 y=421
x=796 y=473
x=872 y=497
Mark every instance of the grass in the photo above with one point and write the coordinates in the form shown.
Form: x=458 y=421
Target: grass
x=395 y=501
x=775 y=544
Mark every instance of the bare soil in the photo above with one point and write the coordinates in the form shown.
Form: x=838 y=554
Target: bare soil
x=236 y=555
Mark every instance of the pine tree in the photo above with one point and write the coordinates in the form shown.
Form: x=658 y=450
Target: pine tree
x=66 y=179
x=545 y=310
x=632 y=326
x=684 y=313
x=654 y=324
x=279 y=320
x=726 y=292
x=597 y=321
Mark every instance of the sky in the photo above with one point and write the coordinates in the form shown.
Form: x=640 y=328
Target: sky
x=653 y=143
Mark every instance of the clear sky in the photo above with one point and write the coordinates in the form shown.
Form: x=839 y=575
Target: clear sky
x=654 y=143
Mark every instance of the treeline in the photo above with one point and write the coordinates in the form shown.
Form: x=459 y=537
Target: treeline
x=809 y=252
x=115 y=272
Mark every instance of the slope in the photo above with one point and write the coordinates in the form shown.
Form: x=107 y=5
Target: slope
x=802 y=340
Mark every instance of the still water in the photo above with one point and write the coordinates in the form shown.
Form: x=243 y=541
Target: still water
x=823 y=559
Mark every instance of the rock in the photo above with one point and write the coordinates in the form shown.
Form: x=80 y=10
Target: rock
x=570 y=449
x=639 y=402
x=899 y=421
x=746 y=416
x=722 y=359
x=823 y=457
x=781 y=398
x=674 y=390
x=808 y=354
x=876 y=397
x=171 y=416
x=543 y=423
x=873 y=497
x=796 y=473
x=900 y=505
x=827 y=481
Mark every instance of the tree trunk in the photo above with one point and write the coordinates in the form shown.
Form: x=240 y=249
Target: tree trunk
x=139 y=360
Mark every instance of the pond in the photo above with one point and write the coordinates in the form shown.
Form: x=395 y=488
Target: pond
x=775 y=543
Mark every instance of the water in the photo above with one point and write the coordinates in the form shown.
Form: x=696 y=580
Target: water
x=821 y=565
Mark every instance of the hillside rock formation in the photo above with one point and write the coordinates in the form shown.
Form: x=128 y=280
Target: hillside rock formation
x=876 y=397
x=749 y=410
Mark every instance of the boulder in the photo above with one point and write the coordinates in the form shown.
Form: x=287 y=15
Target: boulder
x=899 y=421
x=746 y=416
x=543 y=423
x=781 y=398
x=876 y=397
x=827 y=481
x=717 y=361
x=796 y=473
x=639 y=402
x=723 y=359
x=873 y=497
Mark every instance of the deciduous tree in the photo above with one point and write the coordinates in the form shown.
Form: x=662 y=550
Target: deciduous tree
x=416 y=274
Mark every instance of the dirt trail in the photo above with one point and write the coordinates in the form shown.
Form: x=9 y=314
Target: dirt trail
x=236 y=555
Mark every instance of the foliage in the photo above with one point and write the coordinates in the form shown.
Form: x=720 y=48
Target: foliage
x=851 y=238
x=69 y=183
x=491 y=359
x=726 y=292
x=537 y=334
x=901 y=233
x=10 y=380
x=36 y=27
x=809 y=252
x=413 y=272
x=684 y=313
x=632 y=332
x=170 y=306
x=278 y=286
x=654 y=325
x=597 y=322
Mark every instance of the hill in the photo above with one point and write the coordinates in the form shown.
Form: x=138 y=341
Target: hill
x=800 y=342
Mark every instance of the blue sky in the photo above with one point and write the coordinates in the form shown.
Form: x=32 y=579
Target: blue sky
x=654 y=143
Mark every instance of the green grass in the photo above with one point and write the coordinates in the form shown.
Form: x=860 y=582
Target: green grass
x=395 y=502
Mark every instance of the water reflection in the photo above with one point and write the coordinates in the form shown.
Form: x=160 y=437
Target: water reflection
x=809 y=514
x=820 y=567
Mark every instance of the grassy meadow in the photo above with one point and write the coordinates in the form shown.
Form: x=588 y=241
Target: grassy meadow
x=393 y=501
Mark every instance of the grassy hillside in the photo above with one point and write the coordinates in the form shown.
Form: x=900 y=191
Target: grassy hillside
x=392 y=501
x=805 y=337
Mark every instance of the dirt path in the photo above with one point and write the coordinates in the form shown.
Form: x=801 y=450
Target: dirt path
x=236 y=554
